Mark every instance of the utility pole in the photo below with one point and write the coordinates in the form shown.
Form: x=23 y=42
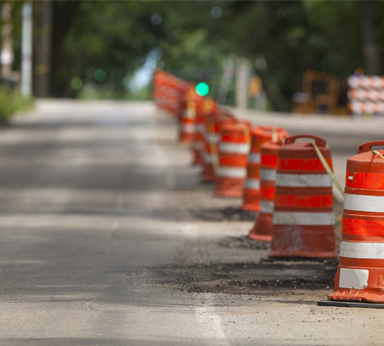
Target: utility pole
x=225 y=82
x=241 y=83
x=26 y=51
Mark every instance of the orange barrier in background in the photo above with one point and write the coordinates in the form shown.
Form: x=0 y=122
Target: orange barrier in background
x=262 y=228
x=234 y=146
x=166 y=91
x=187 y=122
x=198 y=138
x=259 y=135
x=213 y=124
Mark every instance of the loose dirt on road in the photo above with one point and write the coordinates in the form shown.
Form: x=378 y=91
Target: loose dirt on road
x=263 y=278
x=224 y=214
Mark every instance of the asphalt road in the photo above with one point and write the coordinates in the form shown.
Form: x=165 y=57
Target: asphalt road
x=107 y=238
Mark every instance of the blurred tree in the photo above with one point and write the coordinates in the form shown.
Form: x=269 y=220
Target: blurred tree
x=192 y=39
x=118 y=37
x=64 y=14
x=42 y=48
x=370 y=48
x=111 y=36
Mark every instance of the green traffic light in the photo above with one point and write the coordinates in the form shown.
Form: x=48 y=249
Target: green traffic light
x=202 y=89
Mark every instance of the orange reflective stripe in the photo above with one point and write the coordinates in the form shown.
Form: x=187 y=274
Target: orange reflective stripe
x=304 y=201
x=269 y=160
x=363 y=226
x=302 y=165
x=253 y=171
x=233 y=160
x=233 y=138
x=360 y=263
x=267 y=192
x=365 y=180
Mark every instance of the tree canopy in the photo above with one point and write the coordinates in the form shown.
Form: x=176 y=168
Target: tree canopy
x=193 y=40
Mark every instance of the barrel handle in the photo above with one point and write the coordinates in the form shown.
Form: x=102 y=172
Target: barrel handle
x=266 y=128
x=368 y=146
x=318 y=140
x=270 y=128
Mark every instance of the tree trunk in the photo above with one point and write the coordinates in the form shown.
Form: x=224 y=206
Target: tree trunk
x=371 y=56
x=42 y=48
x=64 y=13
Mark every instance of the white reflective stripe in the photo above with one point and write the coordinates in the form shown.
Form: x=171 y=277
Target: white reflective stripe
x=267 y=174
x=266 y=207
x=232 y=172
x=353 y=278
x=308 y=219
x=198 y=145
x=211 y=138
x=252 y=184
x=254 y=158
x=234 y=148
x=364 y=203
x=362 y=250
x=208 y=157
x=200 y=128
x=303 y=180
x=190 y=113
x=188 y=128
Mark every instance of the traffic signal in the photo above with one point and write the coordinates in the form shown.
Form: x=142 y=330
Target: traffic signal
x=202 y=89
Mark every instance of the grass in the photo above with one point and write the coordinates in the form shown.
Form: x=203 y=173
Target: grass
x=12 y=102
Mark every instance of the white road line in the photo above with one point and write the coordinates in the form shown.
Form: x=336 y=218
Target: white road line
x=210 y=322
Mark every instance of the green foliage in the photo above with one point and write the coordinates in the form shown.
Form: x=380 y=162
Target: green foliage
x=118 y=36
x=113 y=36
x=294 y=36
x=12 y=102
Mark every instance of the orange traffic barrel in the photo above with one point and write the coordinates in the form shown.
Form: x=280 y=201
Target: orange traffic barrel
x=173 y=96
x=210 y=150
x=360 y=274
x=259 y=135
x=234 y=143
x=198 y=138
x=159 y=88
x=166 y=92
x=262 y=228
x=182 y=104
x=187 y=125
x=213 y=123
x=303 y=218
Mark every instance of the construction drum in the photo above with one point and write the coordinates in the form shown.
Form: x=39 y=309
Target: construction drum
x=360 y=274
x=213 y=123
x=187 y=125
x=268 y=163
x=198 y=138
x=234 y=143
x=259 y=135
x=303 y=218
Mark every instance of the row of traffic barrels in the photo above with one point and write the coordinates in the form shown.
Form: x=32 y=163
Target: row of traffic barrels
x=285 y=180
x=168 y=91
x=275 y=175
